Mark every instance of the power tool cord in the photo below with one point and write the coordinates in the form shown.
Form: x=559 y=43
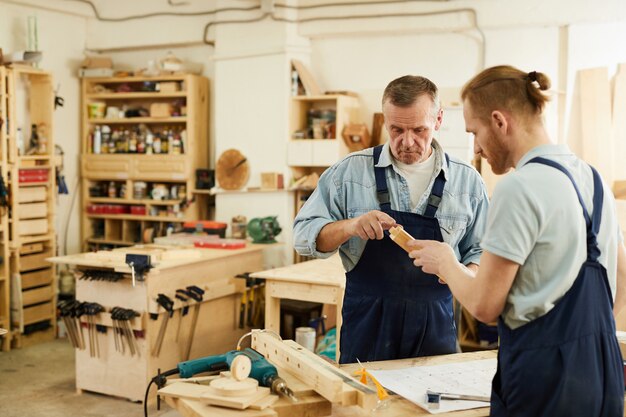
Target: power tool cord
x=159 y=380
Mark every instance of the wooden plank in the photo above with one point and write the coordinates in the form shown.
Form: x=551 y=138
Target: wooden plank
x=354 y=392
x=304 y=292
x=308 y=81
x=319 y=271
x=619 y=124
x=327 y=384
x=595 y=100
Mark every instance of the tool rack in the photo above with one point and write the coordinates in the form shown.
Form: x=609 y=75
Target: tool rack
x=213 y=271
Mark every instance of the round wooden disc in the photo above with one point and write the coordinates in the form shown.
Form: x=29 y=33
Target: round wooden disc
x=232 y=170
x=240 y=367
x=229 y=387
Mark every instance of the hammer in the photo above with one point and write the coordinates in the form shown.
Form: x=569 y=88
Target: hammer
x=434 y=398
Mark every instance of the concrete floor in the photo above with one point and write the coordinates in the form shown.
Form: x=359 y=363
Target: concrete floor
x=40 y=381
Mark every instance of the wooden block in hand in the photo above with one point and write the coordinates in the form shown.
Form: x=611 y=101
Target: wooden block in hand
x=401 y=237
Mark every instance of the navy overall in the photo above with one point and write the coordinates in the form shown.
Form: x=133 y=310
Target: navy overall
x=392 y=309
x=567 y=362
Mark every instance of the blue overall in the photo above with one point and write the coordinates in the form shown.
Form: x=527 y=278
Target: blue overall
x=392 y=309
x=567 y=362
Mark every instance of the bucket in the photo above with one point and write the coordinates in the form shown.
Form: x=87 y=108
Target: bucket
x=305 y=337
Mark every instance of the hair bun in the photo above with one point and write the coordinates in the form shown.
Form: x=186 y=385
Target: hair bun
x=532 y=76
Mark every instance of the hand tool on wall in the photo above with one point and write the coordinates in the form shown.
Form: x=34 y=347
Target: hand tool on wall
x=91 y=310
x=197 y=294
x=121 y=327
x=183 y=296
x=66 y=311
x=167 y=304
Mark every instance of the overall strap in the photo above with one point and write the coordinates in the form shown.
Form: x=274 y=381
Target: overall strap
x=437 y=192
x=593 y=224
x=382 y=192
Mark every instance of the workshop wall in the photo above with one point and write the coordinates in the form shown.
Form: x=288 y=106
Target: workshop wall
x=248 y=65
x=62 y=38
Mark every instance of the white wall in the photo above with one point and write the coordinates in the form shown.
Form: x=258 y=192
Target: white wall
x=248 y=66
x=62 y=39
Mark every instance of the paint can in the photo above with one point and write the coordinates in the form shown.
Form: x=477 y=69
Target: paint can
x=305 y=337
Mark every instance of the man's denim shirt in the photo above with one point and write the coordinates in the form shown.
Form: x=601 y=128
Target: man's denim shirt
x=348 y=189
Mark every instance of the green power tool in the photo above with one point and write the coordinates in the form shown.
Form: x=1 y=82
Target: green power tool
x=262 y=370
x=263 y=230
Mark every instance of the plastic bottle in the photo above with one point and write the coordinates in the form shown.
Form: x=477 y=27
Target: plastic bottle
x=97 y=140
x=20 y=141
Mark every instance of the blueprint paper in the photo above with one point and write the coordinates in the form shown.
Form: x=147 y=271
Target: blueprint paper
x=471 y=377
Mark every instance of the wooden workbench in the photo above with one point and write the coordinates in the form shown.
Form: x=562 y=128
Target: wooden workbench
x=397 y=406
x=320 y=281
x=213 y=270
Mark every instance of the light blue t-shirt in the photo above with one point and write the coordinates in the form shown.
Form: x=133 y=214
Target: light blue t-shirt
x=348 y=189
x=536 y=221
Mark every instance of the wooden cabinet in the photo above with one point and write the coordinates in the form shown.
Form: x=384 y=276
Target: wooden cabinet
x=142 y=140
x=29 y=106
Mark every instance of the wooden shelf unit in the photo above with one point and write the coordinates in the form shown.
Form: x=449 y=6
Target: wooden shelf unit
x=114 y=212
x=312 y=154
x=32 y=208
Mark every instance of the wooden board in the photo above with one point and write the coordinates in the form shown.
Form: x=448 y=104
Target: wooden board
x=619 y=124
x=308 y=81
x=330 y=382
x=595 y=100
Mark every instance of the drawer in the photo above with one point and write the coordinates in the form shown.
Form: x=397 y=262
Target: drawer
x=31 y=194
x=33 y=227
x=37 y=295
x=32 y=210
x=160 y=168
x=38 y=261
x=37 y=278
x=107 y=167
x=38 y=313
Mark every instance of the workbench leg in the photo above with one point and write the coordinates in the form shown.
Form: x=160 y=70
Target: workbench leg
x=272 y=309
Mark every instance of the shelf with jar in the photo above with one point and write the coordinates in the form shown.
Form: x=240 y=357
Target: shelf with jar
x=143 y=139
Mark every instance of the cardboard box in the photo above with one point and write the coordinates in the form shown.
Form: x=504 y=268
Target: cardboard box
x=168 y=87
x=97 y=62
x=160 y=110
x=272 y=181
